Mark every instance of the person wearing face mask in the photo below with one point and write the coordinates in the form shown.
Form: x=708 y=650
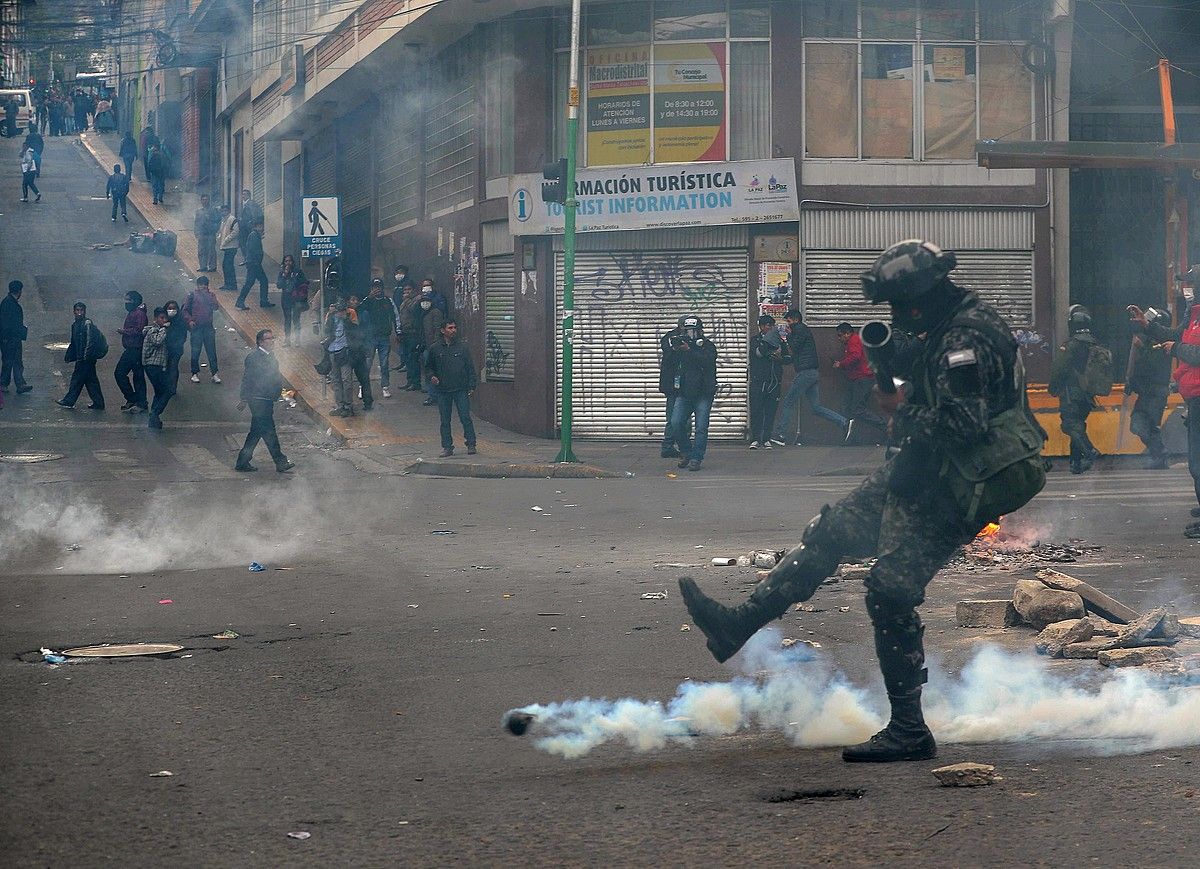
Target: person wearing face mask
x=130 y=376
x=697 y=375
x=970 y=451
x=154 y=362
x=381 y=321
x=432 y=317
x=336 y=341
x=88 y=345
x=399 y=280
x=176 y=340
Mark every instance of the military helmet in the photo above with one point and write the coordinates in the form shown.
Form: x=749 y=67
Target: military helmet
x=1079 y=319
x=906 y=270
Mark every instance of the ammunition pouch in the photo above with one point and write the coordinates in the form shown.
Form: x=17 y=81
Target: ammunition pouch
x=1000 y=474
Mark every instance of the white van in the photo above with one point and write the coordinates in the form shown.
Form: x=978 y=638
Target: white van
x=24 y=107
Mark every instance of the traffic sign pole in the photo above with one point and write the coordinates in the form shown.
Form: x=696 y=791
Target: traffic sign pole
x=565 y=453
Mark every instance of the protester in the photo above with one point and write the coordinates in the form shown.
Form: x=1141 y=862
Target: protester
x=205 y=223
x=382 y=320
x=88 y=345
x=766 y=378
x=261 y=385
x=130 y=377
x=697 y=388
x=452 y=373
x=250 y=216
x=117 y=190
x=148 y=141
x=228 y=239
x=28 y=174
x=198 y=309
x=805 y=384
x=157 y=167
x=859 y=381
x=336 y=341
x=358 y=336
x=674 y=444
x=128 y=153
x=293 y=296
x=13 y=333
x=411 y=337
x=34 y=140
x=432 y=317
x=176 y=340
x=154 y=363
x=253 y=251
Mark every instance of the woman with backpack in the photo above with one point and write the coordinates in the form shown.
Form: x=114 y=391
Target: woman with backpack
x=293 y=296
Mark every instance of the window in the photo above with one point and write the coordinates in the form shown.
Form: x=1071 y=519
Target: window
x=268 y=32
x=670 y=81
x=450 y=137
x=919 y=80
x=498 y=96
x=274 y=170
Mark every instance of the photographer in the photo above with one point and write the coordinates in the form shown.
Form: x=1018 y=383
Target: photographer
x=697 y=378
x=766 y=376
x=674 y=444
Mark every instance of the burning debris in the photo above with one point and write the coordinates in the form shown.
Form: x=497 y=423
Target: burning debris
x=995 y=547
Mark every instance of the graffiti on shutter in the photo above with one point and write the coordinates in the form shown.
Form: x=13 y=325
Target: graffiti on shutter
x=624 y=302
x=499 y=292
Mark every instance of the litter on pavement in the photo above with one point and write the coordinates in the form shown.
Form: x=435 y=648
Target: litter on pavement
x=300 y=834
x=654 y=595
x=226 y=635
x=162 y=773
x=255 y=567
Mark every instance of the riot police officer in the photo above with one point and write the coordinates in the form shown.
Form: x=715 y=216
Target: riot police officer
x=970 y=452
x=1150 y=380
x=1067 y=378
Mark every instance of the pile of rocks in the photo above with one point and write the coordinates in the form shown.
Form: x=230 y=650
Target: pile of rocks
x=1077 y=620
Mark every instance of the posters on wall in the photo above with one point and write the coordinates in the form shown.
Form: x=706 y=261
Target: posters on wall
x=775 y=292
x=689 y=102
x=618 y=105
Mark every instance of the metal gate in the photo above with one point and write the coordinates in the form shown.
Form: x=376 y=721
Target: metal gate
x=319 y=165
x=499 y=314
x=833 y=287
x=624 y=302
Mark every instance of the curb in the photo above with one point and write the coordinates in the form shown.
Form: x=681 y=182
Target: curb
x=532 y=470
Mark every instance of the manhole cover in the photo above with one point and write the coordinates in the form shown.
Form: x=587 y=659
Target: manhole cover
x=57 y=345
x=128 y=650
x=29 y=458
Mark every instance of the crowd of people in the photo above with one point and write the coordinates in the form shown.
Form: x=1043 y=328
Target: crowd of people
x=62 y=111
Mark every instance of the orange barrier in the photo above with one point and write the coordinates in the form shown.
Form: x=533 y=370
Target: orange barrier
x=1108 y=425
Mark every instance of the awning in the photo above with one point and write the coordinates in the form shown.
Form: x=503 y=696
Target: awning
x=1087 y=155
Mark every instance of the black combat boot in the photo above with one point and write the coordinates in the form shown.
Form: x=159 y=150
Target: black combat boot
x=901 y=650
x=794 y=579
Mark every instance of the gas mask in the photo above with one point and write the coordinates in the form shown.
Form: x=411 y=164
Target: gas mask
x=426 y=305
x=171 y=312
x=693 y=334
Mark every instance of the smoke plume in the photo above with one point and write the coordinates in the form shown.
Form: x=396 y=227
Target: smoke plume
x=44 y=529
x=1000 y=697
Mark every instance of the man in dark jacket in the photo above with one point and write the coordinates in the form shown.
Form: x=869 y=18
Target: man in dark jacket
x=128 y=153
x=431 y=318
x=13 y=333
x=806 y=383
x=261 y=386
x=381 y=320
x=250 y=215
x=130 y=375
x=674 y=443
x=766 y=378
x=253 y=250
x=87 y=345
x=358 y=338
x=117 y=190
x=205 y=224
x=410 y=335
x=697 y=388
x=198 y=310
x=157 y=166
x=452 y=373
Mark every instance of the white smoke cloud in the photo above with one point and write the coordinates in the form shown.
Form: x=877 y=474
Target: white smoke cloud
x=1000 y=697
x=45 y=528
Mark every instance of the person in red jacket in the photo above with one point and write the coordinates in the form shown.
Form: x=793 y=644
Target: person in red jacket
x=859 y=380
x=1183 y=344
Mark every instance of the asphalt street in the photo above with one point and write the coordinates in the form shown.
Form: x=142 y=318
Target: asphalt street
x=399 y=617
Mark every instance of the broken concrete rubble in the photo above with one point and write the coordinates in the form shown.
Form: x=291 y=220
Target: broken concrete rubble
x=986 y=614
x=1141 y=628
x=1134 y=657
x=1095 y=600
x=1041 y=606
x=1056 y=637
x=966 y=775
x=1087 y=648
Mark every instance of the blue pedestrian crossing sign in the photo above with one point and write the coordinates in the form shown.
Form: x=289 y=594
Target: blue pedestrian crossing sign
x=320 y=226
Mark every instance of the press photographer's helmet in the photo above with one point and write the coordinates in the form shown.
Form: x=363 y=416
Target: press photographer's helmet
x=691 y=325
x=1079 y=319
x=906 y=271
x=1153 y=315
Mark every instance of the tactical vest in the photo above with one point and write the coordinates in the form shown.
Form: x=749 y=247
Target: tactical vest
x=1004 y=470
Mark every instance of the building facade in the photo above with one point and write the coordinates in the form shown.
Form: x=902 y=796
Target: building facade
x=736 y=156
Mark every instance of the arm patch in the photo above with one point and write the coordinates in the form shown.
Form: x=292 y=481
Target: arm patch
x=959 y=358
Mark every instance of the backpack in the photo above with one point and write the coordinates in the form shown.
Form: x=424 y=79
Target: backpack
x=99 y=342
x=1097 y=378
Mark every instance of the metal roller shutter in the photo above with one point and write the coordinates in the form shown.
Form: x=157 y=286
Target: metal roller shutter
x=833 y=291
x=624 y=302
x=499 y=295
x=354 y=173
x=319 y=179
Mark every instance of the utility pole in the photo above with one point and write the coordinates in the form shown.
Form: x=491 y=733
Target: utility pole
x=565 y=453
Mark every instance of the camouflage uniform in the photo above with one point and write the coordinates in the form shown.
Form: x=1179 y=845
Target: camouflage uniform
x=1074 y=404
